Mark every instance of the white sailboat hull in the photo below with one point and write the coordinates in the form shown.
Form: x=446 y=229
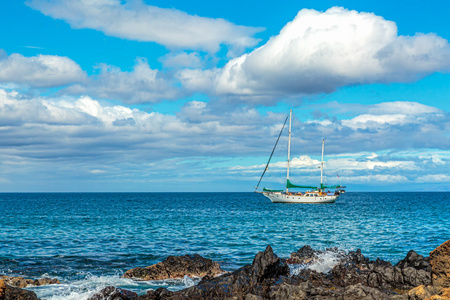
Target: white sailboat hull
x=284 y=198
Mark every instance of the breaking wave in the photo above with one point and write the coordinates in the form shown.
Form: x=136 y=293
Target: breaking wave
x=87 y=287
x=324 y=263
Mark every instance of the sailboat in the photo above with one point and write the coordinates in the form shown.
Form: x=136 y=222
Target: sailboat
x=313 y=195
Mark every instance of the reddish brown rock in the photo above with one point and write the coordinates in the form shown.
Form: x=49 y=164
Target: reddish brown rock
x=429 y=293
x=177 y=267
x=24 y=282
x=2 y=287
x=440 y=265
x=8 y=292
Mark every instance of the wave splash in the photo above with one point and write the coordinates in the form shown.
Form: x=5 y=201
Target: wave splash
x=91 y=284
x=323 y=263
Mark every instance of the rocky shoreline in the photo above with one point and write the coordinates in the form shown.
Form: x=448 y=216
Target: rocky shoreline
x=352 y=276
x=12 y=287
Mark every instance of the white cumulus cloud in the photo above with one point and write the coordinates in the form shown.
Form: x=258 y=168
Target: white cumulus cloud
x=40 y=70
x=319 y=52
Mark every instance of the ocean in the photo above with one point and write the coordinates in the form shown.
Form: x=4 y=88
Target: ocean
x=88 y=240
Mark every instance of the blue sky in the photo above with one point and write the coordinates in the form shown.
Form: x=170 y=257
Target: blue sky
x=111 y=95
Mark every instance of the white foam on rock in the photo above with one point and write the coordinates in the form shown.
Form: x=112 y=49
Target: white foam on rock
x=324 y=263
x=87 y=287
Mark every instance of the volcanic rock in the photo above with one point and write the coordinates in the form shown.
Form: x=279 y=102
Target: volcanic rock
x=354 y=277
x=306 y=255
x=112 y=293
x=254 y=280
x=24 y=282
x=268 y=265
x=415 y=261
x=303 y=256
x=8 y=292
x=412 y=271
x=177 y=267
x=429 y=292
x=353 y=269
x=440 y=265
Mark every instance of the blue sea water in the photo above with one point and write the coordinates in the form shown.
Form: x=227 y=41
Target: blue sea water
x=88 y=240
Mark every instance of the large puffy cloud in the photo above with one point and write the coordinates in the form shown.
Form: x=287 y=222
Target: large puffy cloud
x=39 y=71
x=136 y=21
x=319 y=52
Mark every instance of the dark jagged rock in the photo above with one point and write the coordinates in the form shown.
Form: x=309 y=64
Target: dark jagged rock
x=439 y=288
x=24 y=282
x=112 y=293
x=353 y=268
x=306 y=255
x=356 y=257
x=360 y=292
x=8 y=292
x=268 y=265
x=160 y=293
x=354 y=277
x=407 y=274
x=315 y=278
x=440 y=265
x=416 y=261
x=268 y=278
x=176 y=267
x=303 y=256
x=254 y=279
x=318 y=286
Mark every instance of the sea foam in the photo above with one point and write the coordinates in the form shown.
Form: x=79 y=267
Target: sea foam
x=324 y=263
x=85 y=288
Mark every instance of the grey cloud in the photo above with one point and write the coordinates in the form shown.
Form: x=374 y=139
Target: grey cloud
x=141 y=85
x=81 y=135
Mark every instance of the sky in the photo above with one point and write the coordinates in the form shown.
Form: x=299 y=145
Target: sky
x=190 y=96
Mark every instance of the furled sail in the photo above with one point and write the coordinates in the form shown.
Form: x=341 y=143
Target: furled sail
x=289 y=185
x=269 y=190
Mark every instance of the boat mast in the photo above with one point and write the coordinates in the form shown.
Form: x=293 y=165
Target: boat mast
x=289 y=148
x=321 y=165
